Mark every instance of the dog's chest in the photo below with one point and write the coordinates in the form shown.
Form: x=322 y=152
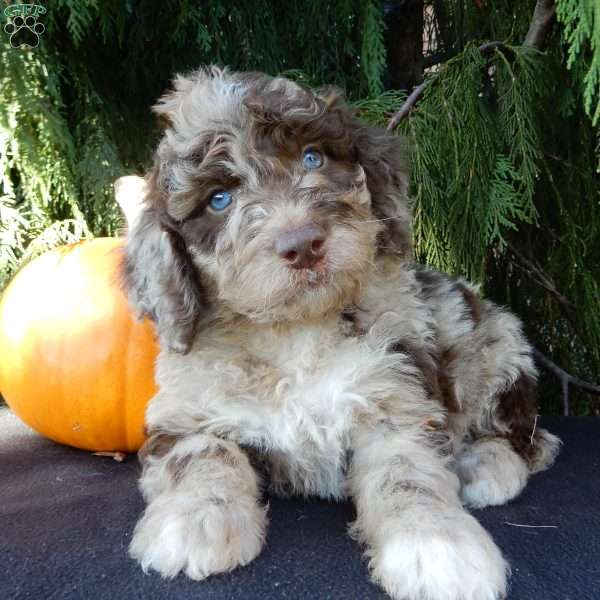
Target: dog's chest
x=297 y=394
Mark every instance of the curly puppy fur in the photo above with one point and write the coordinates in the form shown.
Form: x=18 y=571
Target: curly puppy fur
x=359 y=376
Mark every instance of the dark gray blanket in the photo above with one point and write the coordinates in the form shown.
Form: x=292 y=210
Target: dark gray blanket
x=66 y=519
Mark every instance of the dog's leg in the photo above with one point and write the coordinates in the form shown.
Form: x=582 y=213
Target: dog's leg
x=203 y=514
x=492 y=472
x=422 y=544
x=506 y=445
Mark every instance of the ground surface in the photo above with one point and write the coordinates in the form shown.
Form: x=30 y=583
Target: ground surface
x=66 y=519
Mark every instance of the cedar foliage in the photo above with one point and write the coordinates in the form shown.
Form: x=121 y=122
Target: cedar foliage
x=505 y=146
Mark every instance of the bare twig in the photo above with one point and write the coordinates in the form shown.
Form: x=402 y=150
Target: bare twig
x=566 y=306
x=531 y=526
x=565 y=378
x=543 y=14
x=488 y=47
x=532 y=438
x=409 y=103
x=118 y=456
x=536 y=37
x=544 y=280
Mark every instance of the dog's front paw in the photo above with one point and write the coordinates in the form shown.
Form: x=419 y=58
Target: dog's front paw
x=201 y=540
x=454 y=560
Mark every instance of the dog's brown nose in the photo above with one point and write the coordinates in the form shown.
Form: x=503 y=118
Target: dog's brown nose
x=302 y=248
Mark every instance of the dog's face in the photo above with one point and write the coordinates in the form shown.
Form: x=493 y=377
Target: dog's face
x=266 y=199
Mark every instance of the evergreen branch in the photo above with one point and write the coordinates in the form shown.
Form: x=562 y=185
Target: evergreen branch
x=536 y=37
x=416 y=94
x=565 y=378
x=580 y=21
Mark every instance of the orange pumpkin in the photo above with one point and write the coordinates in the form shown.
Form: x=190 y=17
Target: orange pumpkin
x=75 y=365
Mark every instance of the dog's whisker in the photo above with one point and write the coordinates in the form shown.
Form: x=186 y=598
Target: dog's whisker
x=395 y=218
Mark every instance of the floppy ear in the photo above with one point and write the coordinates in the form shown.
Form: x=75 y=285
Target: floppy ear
x=162 y=281
x=382 y=156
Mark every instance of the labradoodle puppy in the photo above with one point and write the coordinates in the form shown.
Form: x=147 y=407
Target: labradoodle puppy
x=300 y=344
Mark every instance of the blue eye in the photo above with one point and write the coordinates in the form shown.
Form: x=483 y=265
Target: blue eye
x=312 y=159
x=220 y=200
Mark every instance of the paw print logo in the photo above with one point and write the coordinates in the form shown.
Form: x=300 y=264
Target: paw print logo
x=23 y=27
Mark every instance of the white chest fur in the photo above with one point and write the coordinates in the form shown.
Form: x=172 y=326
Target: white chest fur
x=295 y=393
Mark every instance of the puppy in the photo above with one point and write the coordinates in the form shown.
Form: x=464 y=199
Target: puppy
x=300 y=343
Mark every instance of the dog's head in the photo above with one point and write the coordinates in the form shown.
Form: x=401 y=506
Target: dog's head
x=266 y=200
